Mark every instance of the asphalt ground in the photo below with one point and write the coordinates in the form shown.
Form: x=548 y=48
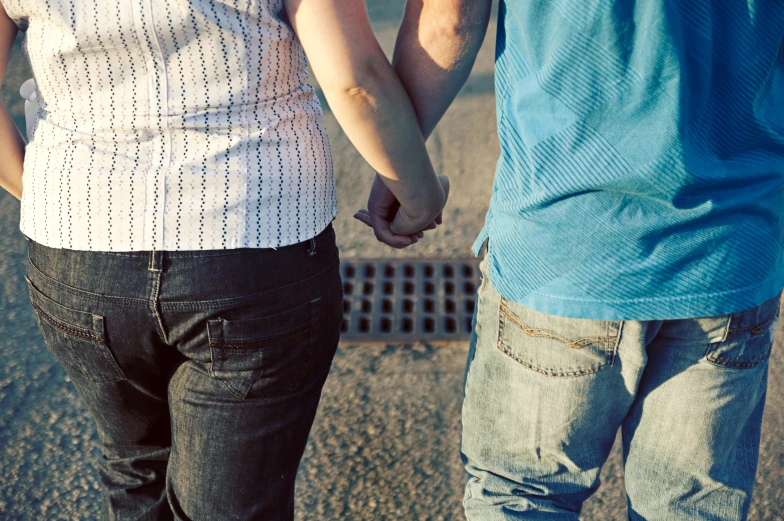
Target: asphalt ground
x=385 y=445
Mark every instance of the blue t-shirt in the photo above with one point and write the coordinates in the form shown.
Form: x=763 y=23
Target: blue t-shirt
x=641 y=174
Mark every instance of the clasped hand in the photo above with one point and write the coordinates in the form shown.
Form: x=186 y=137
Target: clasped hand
x=396 y=225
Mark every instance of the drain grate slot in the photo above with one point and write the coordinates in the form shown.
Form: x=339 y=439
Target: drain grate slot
x=408 y=301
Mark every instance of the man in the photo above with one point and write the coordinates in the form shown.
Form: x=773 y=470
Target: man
x=634 y=247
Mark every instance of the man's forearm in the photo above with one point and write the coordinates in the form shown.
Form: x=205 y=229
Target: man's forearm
x=436 y=50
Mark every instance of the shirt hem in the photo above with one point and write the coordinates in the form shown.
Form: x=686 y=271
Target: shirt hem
x=654 y=308
x=183 y=246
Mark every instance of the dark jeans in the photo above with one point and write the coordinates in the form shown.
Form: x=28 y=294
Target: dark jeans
x=203 y=369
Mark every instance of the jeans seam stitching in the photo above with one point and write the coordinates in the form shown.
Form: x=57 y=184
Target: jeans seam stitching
x=156 y=285
x=302 y=331
x=739 y=365
x=613 y=348
x=549 y=372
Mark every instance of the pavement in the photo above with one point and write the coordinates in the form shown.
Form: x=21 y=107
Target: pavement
x=385 y=442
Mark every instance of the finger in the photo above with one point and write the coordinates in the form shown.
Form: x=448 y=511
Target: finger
x=385 y=235
x=431 y=226
x=420 y=235
x=403 y=224
x=414 y=239
x=439 y=219
x=363 y=216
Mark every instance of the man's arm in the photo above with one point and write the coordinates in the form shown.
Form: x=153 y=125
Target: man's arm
x=436 y=50
x=11 y=141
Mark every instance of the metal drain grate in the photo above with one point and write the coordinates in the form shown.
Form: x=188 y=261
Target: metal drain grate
x=408 y=301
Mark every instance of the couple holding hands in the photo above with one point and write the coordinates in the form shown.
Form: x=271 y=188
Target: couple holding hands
x=178 y=194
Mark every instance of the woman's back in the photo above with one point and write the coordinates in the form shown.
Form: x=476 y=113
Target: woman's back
x=176 y=125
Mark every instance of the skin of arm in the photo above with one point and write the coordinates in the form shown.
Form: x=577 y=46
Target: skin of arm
x=12 y=144
x=370 y=104
x=436 y=50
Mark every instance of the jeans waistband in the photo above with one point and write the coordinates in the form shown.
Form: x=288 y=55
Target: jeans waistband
x=183 y=276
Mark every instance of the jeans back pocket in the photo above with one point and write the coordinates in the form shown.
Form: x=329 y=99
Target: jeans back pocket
x=556 y=346
x=266 y=356
x=749 y=338
x=76 y=339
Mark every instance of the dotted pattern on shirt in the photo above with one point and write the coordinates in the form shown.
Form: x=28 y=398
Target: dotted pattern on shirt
x=177 y=125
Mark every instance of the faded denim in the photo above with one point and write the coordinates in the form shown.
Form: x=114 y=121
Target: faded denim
x=203 y=369
x=546 y=395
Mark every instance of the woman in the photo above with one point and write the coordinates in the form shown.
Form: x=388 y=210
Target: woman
x=178 y=195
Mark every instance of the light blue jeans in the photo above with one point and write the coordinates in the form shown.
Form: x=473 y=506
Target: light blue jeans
x=546 y=395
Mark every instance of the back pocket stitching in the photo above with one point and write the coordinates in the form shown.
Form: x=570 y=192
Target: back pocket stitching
x=310 y=329
x=255 y=345
x=118 y=374
x=739 y=365
x=610 y=347
x=303 y=370
x=756 y=329
x=552 y=335
x=550 y=372
x=306 y=331
x=72 y=332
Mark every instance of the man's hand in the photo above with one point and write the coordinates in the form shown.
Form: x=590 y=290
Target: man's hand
x=384 y=209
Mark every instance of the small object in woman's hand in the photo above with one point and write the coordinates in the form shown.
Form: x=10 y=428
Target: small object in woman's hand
x=29 y=91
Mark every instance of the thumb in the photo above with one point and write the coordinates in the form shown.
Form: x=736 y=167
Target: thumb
x=444 y=180
x=363 y=216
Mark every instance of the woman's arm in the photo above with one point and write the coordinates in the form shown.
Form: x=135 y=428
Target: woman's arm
x=370 y=104
x=11 y=141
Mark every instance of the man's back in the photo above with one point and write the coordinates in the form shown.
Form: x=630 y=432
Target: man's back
x=633 y=277
x=642 y=166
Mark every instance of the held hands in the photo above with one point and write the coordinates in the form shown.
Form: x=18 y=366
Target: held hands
x=396 y=225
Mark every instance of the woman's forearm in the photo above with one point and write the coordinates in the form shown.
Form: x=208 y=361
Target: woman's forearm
x=11 y=143
x=12 y=148
x=368 y=100
x=380 y=121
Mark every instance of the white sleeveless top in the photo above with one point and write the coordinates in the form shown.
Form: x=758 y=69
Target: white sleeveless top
x=171 y=125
